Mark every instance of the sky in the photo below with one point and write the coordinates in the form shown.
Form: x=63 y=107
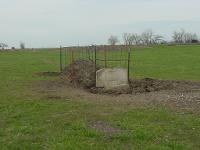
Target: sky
x=54 y=23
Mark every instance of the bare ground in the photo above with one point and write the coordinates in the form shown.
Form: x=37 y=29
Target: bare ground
x=181 y=96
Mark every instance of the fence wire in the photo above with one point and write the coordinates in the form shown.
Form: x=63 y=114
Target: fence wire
x=103 y=56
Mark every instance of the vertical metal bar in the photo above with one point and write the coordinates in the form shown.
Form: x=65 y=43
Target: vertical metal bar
x=72 y=55
x=105 y=56
x=121 y=63
x=93 y=53
x=95 y=62
x=86 y=56
x=65 y=58
x=88 y=52
x=60 y=59
x=129 y=56
x=82 y=53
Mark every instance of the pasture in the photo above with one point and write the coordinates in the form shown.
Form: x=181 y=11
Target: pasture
x=36 y=114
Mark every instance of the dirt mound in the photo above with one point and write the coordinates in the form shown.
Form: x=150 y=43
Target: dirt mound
x=139 y=86
x=81 y=73
x=150 y=85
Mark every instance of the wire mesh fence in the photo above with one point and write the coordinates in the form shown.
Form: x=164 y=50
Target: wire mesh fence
x=102 y=56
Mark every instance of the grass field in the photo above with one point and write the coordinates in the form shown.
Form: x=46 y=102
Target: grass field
x=30 y=121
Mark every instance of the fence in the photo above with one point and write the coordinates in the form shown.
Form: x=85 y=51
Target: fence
x=102 y=56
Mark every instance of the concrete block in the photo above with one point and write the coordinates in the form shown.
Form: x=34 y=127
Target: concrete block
x=112 y=78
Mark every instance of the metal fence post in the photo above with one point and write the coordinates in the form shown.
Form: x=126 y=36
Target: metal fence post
x=105 y=56
x=60 y=59
x=129 y=57
x=95 y=62
x=65 y=57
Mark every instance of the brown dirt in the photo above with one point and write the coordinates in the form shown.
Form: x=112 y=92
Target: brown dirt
x=80 y=73
x=78 y=80
x=183 y=97
x=145 y=85
x=149 y=85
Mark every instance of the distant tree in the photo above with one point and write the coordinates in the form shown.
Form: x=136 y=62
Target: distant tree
x=22 y=45
x=183 y=37
x=147 y=37
x=131 y=38
x=136 y=38
x=113 y=40
x=195 y=41
x=189 y=37
x=3 y=45
x=158 y=39
x=127 y=37
x=178 y=36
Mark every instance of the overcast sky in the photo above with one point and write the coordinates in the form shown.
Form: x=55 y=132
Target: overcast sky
x=51 y=23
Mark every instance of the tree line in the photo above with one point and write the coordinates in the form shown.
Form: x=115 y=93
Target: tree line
x=5 y=46
x=148 y=37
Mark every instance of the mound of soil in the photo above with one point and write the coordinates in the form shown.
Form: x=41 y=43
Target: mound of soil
x=81 y=73
x=150 y=85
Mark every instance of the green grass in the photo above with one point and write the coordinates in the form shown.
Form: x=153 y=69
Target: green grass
x=167 y=62
x=29 y=121
x=179 y=62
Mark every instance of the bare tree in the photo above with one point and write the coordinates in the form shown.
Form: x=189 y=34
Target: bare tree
x=147 y=37
x=127 y=39
x=178 y=36
x=189 y=37
x=113 y=40
x=157 y=39
x=3 y=45
x=131 y=38
x=136 y=38
x=184 y=37
x=22 y=45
